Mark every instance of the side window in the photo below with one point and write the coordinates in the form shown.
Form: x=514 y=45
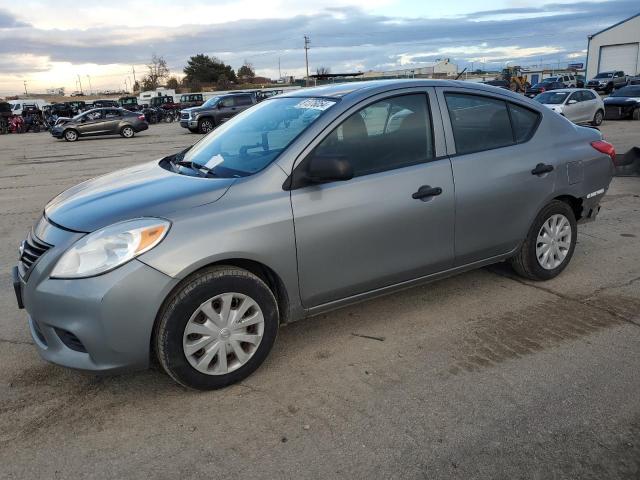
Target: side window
x=227 y=102
x=111 y=113
x=478 y=122
x=389 y=134
x=524 y=122
x=243 y=100
x=575 y=96
x=97 y=115
x=588 y=95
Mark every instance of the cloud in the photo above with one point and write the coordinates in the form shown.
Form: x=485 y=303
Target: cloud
x=343 y=37
x=7 y=20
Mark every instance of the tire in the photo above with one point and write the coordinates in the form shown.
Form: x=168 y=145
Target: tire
x=526 y=262
x=183 y=313
x=194 y=130
x=636 y=114
x=205 y=125
x=127 y=131
x=70 y=135
x=598 y=117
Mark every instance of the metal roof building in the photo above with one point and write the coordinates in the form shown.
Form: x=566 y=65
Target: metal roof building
x=615 y=48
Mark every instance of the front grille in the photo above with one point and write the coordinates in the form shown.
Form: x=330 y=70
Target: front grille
x=32 y=250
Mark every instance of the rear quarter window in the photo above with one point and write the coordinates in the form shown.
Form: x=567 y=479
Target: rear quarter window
x=524 y=122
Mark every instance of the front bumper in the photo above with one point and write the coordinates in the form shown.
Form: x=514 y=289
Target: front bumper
x=102 y=323
x=188 y=123
x=56 y=132
x=598 y=87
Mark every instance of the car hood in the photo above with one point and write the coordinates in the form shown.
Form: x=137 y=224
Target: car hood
x=142 y=191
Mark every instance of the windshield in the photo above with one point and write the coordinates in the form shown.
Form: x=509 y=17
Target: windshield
x=629 y=91
x=550 y=79
x=604 y=75
x=211 y=102
x=252 y=140
x=552 y=98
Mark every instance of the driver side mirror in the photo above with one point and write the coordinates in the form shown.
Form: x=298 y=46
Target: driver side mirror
x=219 y=105
x=328 y=168
x=571 y=102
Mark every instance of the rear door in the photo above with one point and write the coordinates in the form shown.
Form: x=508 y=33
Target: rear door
x=243 y=102
x=493 y=150
x=112 y=119
x=370 y=232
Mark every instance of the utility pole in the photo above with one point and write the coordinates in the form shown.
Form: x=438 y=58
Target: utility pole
x=25 y=88
x=306 y=57
x=90 y=87
x=133 y=69
x=279 y=72
x=80 y=83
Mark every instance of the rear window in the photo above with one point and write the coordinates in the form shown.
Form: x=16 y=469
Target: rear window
x=478 y=122
x=484 y=123
x=243 y=100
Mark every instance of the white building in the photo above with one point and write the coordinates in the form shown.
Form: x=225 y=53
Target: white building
x=615 y=48
x=439 y=67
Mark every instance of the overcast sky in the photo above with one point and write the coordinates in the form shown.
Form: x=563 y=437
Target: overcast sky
x=48 y=43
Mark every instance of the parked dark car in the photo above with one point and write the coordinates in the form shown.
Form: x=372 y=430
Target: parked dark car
x=5 y=113
x=100 y=121
x=130 y=103
x=106 y=104
x=165 y=102
x=215 y=111
x=608 y=81
x=580 y=81
x=623 y=103
x=542 y=87
x=189 y=100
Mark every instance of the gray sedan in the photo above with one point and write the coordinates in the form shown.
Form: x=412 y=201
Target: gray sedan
x=100 y=121
x=306 y=202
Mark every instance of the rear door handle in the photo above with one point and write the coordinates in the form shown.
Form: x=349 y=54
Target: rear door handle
x=425 y=192
x=541 y=169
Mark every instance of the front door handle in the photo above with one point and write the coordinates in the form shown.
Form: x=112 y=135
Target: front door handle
x=541 y=169
x=425 y=192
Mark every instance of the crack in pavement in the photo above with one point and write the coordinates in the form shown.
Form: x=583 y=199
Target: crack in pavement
x=15 y=342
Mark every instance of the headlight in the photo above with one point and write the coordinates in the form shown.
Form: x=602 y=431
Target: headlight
x=110 y=247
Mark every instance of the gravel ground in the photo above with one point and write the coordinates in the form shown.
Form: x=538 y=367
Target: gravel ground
x=483 y=375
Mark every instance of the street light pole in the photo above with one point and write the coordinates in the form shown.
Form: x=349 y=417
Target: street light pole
x=25 y=88
x=90 y=87
x=306 y=57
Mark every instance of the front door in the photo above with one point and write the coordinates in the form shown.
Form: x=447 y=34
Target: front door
x=496 y=154
x=393 y=221
x=91 y=123
x=227 y=109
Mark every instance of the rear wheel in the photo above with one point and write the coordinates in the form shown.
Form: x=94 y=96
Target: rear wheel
x=205 y=125
x=598 y=118
x=217 y=328
x=127 y=131
x=636 y=114
x=70 y=135
x=549 y=245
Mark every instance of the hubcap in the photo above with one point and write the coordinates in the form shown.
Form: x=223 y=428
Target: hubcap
x=207 y=127
x=554 y=241
x=223 y=333
x=128 y=132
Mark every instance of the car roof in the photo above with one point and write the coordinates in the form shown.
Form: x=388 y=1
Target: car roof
x=571 y=90
x=372 y=87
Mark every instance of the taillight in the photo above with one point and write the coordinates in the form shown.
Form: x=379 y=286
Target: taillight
x=606 y=148
x=541 y=89
x=141 y=117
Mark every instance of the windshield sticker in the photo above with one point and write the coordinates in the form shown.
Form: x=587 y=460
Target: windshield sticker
x=214 y=162
x=315 y=104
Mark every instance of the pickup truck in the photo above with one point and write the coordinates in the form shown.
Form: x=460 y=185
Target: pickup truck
x=215 y=111
x=608 y=81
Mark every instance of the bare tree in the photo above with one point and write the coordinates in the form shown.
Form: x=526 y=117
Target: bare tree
x=158 y=71
x=323 y=71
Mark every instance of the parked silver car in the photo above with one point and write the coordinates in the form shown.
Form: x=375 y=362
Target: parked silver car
x=580 y=105
x=303 y=203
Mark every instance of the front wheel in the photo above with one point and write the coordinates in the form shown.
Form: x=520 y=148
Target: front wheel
x=217 y=328
x=549 y=245
x=70 y=135
x=598 y=118
x=205 y=125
